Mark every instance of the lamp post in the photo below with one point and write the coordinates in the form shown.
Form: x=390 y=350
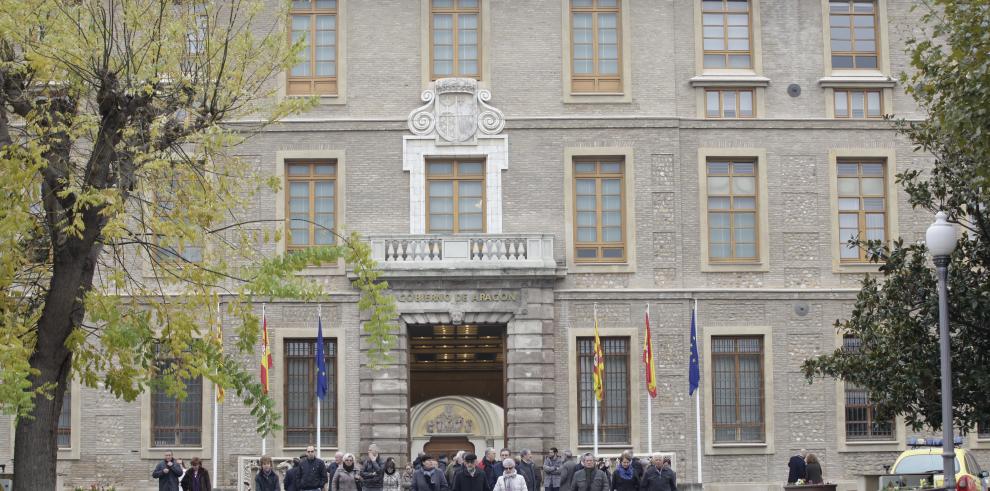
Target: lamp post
x=941 y=241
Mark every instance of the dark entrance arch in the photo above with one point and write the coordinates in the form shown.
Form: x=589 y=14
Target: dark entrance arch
x=448 y=446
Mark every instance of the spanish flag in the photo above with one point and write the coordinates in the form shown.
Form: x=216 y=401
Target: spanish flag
x=599 y=373
x=266 y=354
x=651 y=377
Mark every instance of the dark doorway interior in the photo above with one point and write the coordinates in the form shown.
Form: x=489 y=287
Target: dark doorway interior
x=462 y=360
x=447 y=446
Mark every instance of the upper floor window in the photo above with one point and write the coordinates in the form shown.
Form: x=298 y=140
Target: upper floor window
x=595 y=60
x=853 y=33
x=454 y=39
x=732 y=210
x=312 y=202
x=300 y=405
x=613 y=410
x=599 y=194
x=726 y=38
x=455 y=196
x=172 y=247
x=729 y=103
x=737 y=389
x=862 y=206
x=314 y=24
x=858 y=104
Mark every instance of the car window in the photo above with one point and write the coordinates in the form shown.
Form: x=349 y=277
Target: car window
x=920 y=464
x=972 y=465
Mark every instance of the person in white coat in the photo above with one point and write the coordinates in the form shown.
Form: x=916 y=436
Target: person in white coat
x=510 y=480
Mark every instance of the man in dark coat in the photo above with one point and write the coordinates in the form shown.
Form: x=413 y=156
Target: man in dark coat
x=338 y=458
x=312 y=472
x=528 y=470
x=589 y=477
x=292 y=475
x=797 y=467
x=567 y=471
x=499 y=468
x=372 y=470
x=428 y=477
x=490 y=463
x=470 y=478
x=658 y=476
x=168 y=472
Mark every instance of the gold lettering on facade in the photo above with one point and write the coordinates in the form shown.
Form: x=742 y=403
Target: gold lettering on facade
x=437 y=297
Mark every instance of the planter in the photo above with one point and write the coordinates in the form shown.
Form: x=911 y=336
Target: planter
x=810 y=487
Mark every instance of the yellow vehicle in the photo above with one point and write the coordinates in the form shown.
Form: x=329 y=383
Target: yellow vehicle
x=925 y=458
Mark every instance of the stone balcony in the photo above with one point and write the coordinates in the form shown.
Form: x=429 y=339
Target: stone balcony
x=464 y=254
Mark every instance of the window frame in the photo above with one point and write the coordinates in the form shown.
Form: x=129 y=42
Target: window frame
x=172 y=256
x=854 y=54
x=313 y=81
x=736 y=355
x=456 y=11
x=762 y=261
x=598 y=176
x=456 y=179
x=177 y=429
x=66 y=414
x=757 y=202
x=333 y=391
x=835 y=155
x=311 y=178
x=726 y=53
x=602 y=406
x=596 y=78
x=852 y=344
x=862 y=213
x=721 y=102
x=848 y=92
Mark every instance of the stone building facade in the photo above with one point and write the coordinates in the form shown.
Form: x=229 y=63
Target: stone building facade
x=667 y=110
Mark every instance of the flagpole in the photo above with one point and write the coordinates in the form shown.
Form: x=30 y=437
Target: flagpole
x=649 y=405
x=697 y=409
x=594 y=397
x=319 y=316
x=216 y=406
x=263 y=354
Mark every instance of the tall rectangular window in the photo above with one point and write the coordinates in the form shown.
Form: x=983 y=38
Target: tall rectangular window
x=729 y=103
x=726 y=34
x=312 y=202
x=64 y=431
x=595 y=38
x=454 y=40
x=862 y=206
x=613 y=409
x=983 y=429
x=853 y=33
x=171 y=247
x=861 y=419
x=178 y=423
x=737 y=389
x=599 y=194
x=314 y=24
x=455 y=196
x=300 y=386
x=858 y=104
x=732 y=202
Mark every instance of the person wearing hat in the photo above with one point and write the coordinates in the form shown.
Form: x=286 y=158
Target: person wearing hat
x=428 y=477
x=470 y=478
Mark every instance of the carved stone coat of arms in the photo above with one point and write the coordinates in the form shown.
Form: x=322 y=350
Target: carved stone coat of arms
x=456 y=110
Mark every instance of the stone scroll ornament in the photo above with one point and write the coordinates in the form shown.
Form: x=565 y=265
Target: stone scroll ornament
x=455 y=111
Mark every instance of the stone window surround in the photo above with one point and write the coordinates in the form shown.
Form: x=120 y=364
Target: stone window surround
x=763 y=448
x=340 y=195
x=762 y=263
x=629 y=207
x=205 y=448
x=484 y=43
x=897 y=444
x=886 y=98
x=341 y=96
x=625 y=54
x=493 y=150
x=756 y=45
x=890 y=170
x=276 y=381
x=635 y=354
x=883 y=60
x=71 y=453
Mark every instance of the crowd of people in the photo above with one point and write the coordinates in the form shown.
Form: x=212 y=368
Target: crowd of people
x=464 y=472
x=804 y=468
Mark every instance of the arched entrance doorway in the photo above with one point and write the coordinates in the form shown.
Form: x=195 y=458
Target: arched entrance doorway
x=444 y=425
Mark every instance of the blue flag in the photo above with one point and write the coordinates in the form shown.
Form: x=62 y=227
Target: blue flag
x=321 y=362
x=694 y=371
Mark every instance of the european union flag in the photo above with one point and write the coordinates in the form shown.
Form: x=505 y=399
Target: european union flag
x=694 y=370
x=321 y=362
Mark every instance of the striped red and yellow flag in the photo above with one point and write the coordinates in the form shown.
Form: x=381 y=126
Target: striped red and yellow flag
x=598 y=376
x=651 y=377
x=266 y=355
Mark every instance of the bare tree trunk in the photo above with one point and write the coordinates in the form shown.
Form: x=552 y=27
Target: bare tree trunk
x=35 y=444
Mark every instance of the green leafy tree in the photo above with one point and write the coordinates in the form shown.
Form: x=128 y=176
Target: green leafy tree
x=896 y=314
x=121 y=203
